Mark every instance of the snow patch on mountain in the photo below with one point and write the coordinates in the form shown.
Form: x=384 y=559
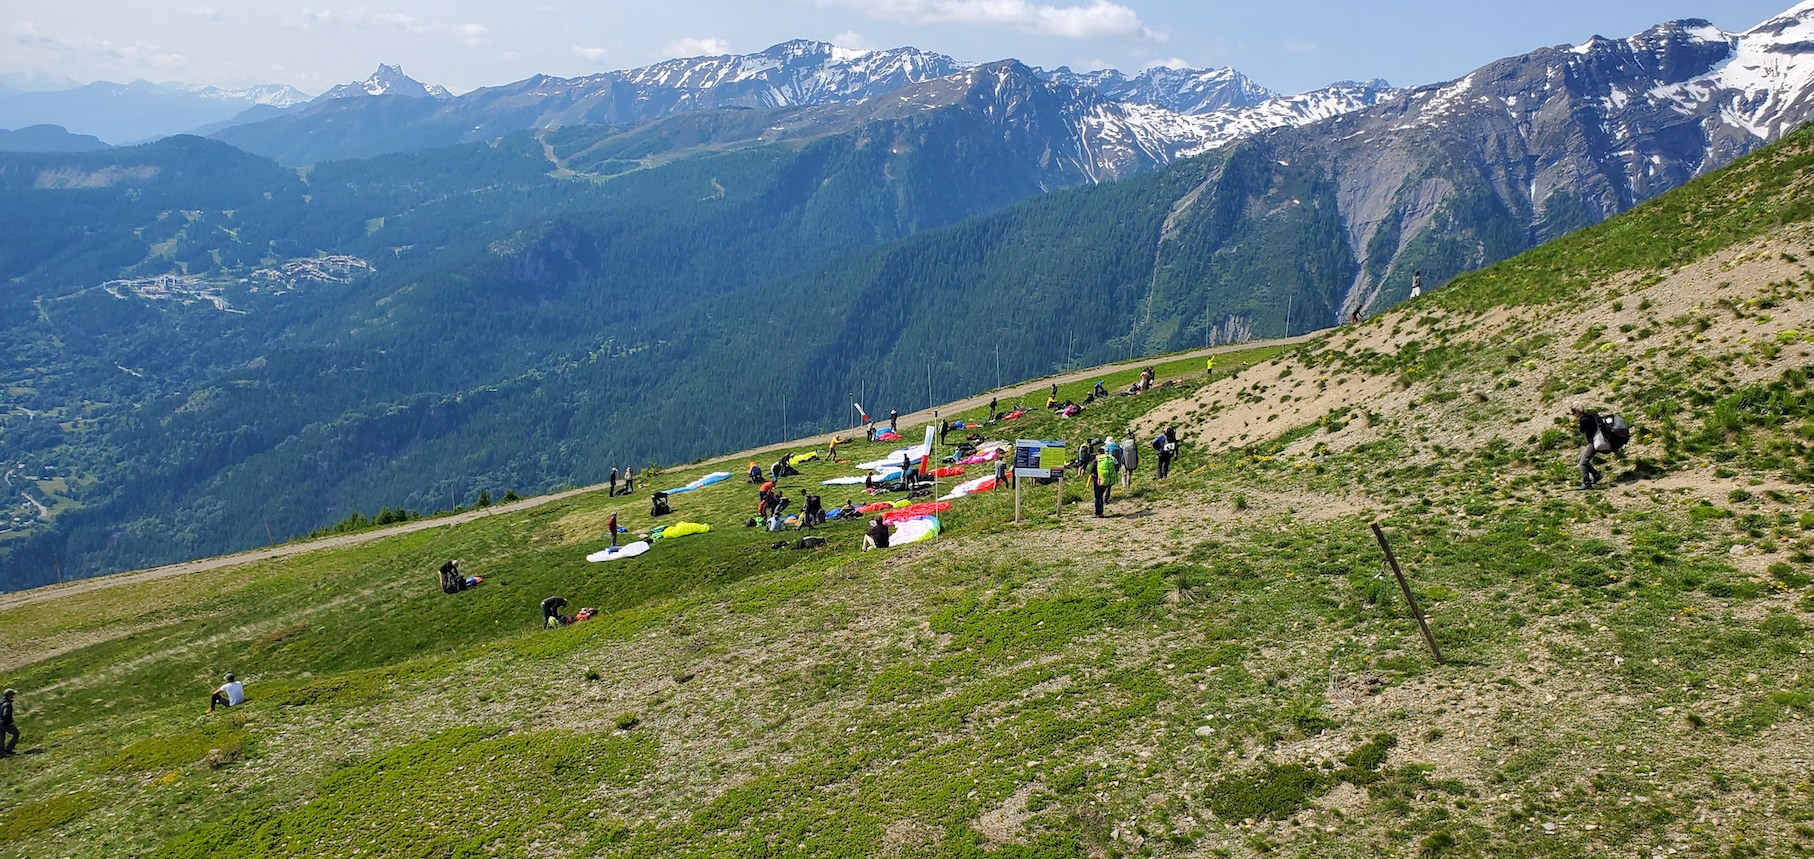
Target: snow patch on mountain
x=387 y=80
x=1764 y=84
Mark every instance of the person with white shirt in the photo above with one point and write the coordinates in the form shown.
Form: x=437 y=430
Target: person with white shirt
x=230 y=694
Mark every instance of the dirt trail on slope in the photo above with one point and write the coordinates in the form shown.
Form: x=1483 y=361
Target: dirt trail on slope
x=50 y=592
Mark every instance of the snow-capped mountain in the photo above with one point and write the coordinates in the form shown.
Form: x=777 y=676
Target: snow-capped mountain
x=1760 y=82
x=790 y=74
x=1177 y=90
x=387 y=80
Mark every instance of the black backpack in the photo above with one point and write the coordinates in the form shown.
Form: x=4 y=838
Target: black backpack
x=658 y=504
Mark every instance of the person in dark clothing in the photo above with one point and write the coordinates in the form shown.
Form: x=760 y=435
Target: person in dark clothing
x=1054 y=391
x=779 y=508
x=944 y=429
x=451 y=580
x=1167 y=446
x=894 y=421
x=992 y=413
x=755 y=473
x=876 y=536
x=551 y=610
x=611 y=526
x=612 y=491
x=813 y=513
x=9 y=732
x=1590 y=425
x=1102 y=478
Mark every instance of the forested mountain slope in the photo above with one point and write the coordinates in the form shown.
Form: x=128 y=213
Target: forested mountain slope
x=1219 y=666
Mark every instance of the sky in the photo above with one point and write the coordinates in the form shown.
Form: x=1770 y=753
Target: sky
x=1285 y=45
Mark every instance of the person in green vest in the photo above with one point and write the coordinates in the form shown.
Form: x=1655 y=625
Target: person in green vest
x=1102 y=478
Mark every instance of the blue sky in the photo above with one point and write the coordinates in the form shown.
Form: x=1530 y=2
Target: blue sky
x=1287 y=45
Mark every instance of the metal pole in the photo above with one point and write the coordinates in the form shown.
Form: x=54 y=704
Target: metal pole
x=1409 y=597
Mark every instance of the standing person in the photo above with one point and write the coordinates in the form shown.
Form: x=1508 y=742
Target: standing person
x=1102 y=478
x=612 y=492
x=1209 y=367
x=629 y=480
x=876 y=536
x=944 y=429
x=1054 y=396
x=9 y=732
x=894 y=422
x=1130 y=461
x=611 y=525
x=230 y=694
x=992 y=412
x=551 y=611
x=1590 y=425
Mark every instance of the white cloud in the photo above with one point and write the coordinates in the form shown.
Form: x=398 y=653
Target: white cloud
x=212 y=13
x=852 y=40
x=1097 y=19
x=691 y=47
x=510 y=55
x=590 y=55
x=544 y=7
x=28 y=35
x=358 y=17
x=472 y=34
x=1167 y=63
x=1297 y=46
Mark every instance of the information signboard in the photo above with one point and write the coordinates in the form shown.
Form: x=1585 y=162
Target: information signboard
x=1039 y=459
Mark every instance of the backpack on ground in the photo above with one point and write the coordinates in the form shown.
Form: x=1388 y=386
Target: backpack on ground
x=658 y=504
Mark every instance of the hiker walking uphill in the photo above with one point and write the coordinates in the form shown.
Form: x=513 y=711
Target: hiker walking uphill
x=1166 y=444
x=1102 y=478
x=1603 y=434
x=9 y=732
x=1130 y=461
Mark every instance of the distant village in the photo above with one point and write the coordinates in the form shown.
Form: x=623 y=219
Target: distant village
x=287 y=276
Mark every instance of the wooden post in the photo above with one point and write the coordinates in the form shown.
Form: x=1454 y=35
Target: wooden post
x=1017 y=499
x=1409 y=597
x=1060 y=512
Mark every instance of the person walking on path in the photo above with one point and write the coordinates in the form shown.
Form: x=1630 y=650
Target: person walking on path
x=1591 y=427
x=551 y=611
x=1167 y=446
x=9 y=732
x=1102 y=479
x=611 y=525
x=230 y=694
x=1130 y=461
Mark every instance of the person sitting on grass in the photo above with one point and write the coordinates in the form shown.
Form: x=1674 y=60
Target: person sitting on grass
x=230 y=694
x=876 y=537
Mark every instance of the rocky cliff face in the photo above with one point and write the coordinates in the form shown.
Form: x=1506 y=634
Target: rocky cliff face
x=1450 y=177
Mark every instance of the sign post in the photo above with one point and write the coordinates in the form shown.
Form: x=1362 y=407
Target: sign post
x=1039 y=460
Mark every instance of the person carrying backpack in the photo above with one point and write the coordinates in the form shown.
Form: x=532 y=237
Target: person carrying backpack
x=1130 y=461
x=1604 y=435
x=1102 y=479
x=1167 y=446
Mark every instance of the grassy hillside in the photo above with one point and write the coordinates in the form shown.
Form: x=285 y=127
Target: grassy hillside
x=1221 y=667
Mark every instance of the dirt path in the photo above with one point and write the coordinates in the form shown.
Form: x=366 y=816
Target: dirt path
x=50 y=592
